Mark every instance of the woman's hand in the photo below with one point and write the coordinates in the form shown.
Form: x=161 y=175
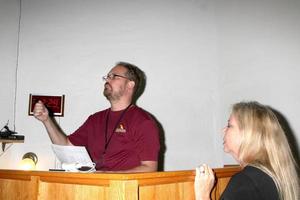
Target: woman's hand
x=204 y=182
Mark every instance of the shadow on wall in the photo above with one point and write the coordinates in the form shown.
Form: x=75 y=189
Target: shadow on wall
x=139 y=91
x=162 y=151
x=290 y=136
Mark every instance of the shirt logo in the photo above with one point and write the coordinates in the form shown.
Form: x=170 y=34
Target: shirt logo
x=120 y=129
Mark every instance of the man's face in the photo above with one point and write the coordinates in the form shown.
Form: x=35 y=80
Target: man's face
x=116 y=83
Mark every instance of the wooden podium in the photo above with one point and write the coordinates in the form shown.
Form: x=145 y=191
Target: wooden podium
x=44 y=185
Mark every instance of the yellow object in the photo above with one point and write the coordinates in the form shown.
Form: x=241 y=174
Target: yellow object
x=27 y=164
x=28 y=161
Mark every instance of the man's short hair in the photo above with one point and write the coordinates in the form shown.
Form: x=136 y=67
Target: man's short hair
x=136 y=75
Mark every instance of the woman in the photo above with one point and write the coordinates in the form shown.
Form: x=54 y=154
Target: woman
x=256 y=140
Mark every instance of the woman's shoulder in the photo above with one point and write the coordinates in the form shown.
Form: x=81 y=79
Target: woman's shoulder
x=257 y=176
x=253 y=180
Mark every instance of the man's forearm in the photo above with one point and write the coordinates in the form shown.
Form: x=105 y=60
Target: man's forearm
x=146 y=166
x=55 y=134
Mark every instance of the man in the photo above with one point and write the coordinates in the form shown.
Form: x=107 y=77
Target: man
x=122 y=138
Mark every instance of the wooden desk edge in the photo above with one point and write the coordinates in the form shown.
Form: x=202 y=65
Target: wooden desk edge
x=149 y=178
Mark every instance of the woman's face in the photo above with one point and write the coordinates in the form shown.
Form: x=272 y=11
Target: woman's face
x=232 y=137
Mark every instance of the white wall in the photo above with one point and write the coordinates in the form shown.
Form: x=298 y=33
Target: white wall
x=259 y=48
x=9 y=14
x=199 y=56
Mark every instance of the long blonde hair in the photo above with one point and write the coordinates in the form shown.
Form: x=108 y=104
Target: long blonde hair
x=265 y=146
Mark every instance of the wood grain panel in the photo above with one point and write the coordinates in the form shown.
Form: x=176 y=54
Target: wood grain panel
x=12 y=189
x=173 y=191
x=60 y=191
x=44 y=185
x=123 y=190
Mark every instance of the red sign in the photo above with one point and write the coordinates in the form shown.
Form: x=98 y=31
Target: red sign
x=55 y=104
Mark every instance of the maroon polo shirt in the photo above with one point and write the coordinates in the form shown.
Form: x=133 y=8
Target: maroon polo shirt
x=135 y=138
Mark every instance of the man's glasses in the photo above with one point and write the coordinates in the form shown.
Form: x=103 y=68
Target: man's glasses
x=112 y=76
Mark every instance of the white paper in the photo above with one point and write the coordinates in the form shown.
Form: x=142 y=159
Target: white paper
x=72 y=154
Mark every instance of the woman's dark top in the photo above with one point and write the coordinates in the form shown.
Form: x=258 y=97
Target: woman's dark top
x=250 y=184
